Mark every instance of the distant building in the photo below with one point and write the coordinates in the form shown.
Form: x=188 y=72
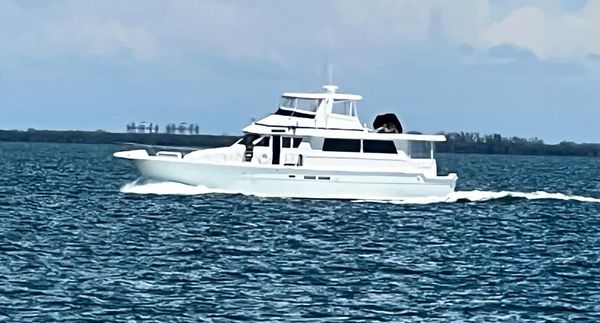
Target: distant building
x=183 y=128
x=171 y=128
x=142 y=127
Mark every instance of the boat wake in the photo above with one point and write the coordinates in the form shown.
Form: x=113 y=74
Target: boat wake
x=484 y=196
x=142 y=186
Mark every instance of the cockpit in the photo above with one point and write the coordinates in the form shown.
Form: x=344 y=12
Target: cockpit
x=298 y=107
x=344 y=107
x=307 y=105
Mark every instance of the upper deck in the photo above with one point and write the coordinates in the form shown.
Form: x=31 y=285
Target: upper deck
x=325 y=114
x=325 y=110
x=329 y=93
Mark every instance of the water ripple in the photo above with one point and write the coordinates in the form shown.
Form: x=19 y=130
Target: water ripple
x=74 y=247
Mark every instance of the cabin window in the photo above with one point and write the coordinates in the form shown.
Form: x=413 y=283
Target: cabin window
x=289 y=142
x=308 y=104
x=300 y=103
x=347 y=145
x=420 y=149
x=264 y=142
x=294 y=113
x=247 y=138
x=344 y=107
x=379 y=146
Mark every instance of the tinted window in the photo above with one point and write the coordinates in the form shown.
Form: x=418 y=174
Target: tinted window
x=419 y=149
x=263 y=142
x=349 y=145
x=297 y=142
x=379 y=146
x=248 y=138
x=294 y=113
x=286 y=142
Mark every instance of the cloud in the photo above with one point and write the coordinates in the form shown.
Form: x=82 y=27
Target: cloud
x=361 y=34
x=395 y=22
x=563 y=35
x=464 y=62
x=280 y=32
x=108 y=38
x=58 y=30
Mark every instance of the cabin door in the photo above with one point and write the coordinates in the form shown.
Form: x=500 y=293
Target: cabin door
x=276 y=150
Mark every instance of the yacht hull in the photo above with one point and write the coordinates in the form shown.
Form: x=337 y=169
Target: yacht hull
x=313 y=146
x=297 y=182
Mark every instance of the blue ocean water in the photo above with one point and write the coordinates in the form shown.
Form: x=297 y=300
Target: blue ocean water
x=81 y=239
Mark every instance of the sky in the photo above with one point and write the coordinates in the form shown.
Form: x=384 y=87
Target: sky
x=518 y=68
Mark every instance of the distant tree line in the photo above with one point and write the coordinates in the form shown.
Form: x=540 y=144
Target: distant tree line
x=457 y=142
x=473 y=142
x=103 y=137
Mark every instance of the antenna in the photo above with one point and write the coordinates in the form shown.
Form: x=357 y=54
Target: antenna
x=329 y=73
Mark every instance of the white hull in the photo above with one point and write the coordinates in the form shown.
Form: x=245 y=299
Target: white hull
x=297 y=182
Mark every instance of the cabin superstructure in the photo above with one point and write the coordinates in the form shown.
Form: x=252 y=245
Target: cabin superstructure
x=328 y=110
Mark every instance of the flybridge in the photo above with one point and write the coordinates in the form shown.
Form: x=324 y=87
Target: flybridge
x=332 y=115
x=328 y=109
x=330 y=93
x=311 y=103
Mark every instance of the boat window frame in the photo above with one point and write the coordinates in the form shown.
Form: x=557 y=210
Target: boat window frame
x=296 y=141
x=292 y=142
x=260 y=142
x=294 y=113
x=294 y=109
x=253 y=136
x=297 y=103
x=374 y=149
x=337 y=145
x=350 y=110
x=427 y=153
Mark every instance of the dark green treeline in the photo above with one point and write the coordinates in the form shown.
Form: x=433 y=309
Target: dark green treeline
x=458 y=142
x=473 y=142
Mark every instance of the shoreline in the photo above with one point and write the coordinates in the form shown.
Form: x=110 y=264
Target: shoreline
x=102 y=137
x=456 y=143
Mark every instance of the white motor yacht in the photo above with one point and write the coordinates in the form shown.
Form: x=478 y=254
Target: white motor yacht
x=313 y=146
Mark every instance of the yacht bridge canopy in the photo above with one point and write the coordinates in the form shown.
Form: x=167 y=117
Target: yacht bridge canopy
x=335 y=96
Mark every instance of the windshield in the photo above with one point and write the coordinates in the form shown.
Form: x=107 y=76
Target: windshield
x=300 y=103
x=252 y=139
x=344 y=107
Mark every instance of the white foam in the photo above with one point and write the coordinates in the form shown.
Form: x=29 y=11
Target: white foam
x=482 y=196
x=172 y=188
x=165 y=188
x=476 y=196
